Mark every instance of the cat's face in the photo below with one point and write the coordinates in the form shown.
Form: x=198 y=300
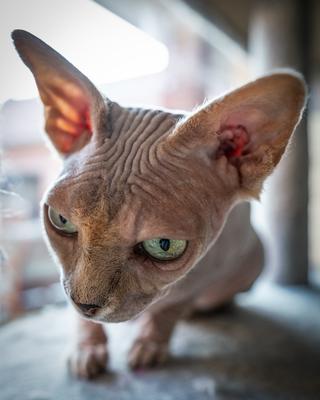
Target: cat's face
x=144 y=193
x=134 y=222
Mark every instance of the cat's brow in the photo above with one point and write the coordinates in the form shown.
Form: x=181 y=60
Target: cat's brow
x=134 y=133
x=119 y=163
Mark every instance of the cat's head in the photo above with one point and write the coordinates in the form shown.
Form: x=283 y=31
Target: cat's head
x=144 y=193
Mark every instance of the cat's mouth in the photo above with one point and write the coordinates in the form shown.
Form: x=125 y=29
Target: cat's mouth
x=115 y=311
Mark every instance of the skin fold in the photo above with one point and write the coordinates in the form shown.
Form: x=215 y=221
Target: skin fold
x=133 y=174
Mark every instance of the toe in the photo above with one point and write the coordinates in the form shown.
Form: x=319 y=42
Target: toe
x=88 y=362
x=147 y=353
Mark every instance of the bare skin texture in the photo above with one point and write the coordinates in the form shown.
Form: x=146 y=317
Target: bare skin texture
x=133 y=174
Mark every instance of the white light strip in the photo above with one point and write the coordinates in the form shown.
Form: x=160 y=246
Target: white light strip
x=103 y=46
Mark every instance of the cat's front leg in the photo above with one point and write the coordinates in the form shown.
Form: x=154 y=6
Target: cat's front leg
x=89 y=356
x=151 y=346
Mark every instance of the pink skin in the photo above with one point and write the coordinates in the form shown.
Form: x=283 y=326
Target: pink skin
x=133 y=174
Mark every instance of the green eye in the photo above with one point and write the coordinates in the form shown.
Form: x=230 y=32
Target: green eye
x=164 y=249
x=60 y=222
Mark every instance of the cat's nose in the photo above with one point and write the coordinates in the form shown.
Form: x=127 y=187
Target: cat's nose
x=88 y=309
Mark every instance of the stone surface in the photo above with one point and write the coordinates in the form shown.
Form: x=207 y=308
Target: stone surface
x=266 y=347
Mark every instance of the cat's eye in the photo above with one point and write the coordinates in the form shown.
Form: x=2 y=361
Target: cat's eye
x=60 y=222
x=164 y=249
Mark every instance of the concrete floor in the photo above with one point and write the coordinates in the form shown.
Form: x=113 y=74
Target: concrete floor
x=266 y=347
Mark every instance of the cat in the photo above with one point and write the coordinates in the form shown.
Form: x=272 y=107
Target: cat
x=145 y=218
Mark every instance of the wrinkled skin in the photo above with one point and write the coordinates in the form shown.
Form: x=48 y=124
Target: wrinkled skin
x=133 y=174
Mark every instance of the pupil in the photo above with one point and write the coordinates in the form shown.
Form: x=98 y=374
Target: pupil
x=164 y=244
x=62 y=219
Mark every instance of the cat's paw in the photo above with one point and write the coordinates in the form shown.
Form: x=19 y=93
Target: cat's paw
x=147 y=353
x=88 y=361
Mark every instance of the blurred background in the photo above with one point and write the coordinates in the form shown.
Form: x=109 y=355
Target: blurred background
x=167 y=53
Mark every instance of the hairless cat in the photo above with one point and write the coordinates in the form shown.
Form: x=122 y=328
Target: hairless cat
x=144 y=219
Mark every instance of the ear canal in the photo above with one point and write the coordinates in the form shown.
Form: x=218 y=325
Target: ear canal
x=250 y=127
x=71 y=101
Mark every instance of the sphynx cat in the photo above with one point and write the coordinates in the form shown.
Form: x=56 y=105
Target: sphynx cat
x=144 y=219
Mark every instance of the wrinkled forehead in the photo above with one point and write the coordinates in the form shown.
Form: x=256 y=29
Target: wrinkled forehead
x=134 y=209
x=126 y=149
x=122 y=175
x=126 y=217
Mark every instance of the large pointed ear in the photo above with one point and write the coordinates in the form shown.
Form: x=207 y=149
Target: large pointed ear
x=71 y=101
x=248 y=128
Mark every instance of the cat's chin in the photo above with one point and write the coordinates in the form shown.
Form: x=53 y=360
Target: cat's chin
x=116 y=311
x=112 y=318
x=103 y=316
